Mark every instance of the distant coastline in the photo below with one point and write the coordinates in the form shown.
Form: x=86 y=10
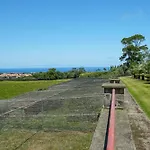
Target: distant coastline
x=34 y=70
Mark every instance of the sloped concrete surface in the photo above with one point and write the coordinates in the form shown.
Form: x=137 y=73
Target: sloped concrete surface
x=98 y=140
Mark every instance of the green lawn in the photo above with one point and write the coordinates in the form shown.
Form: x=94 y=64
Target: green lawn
x=140 y=90
x=67 y=140
x=9 y=89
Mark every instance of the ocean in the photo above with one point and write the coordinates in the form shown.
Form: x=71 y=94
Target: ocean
x=34 y=70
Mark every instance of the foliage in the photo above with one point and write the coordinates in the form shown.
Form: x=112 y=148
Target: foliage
x=135 y=57
x=147 y=76
x=113 y=72
x=147 y=62
x=121 y=70
x=133 y=51
x=103 y=74
x=53 y=74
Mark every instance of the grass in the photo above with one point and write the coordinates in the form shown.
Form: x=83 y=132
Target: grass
x=10 y=139
x=66 y=140
x=52 y=123
x=60 y=125
x=140 y=90
x=9 y=89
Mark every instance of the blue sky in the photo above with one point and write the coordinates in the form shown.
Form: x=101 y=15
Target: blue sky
x=67 y=33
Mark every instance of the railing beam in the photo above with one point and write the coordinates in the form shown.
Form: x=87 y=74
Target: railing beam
x=111 y=129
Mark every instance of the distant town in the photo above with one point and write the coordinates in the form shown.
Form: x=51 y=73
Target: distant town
x=14 y=75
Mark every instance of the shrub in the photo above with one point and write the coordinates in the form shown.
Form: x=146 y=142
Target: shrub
x=147 y=77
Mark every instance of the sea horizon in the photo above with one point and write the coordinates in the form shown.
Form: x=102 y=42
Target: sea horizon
x=44 y=69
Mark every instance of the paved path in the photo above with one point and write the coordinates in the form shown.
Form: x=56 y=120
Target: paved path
x=132 y=128
x=139 y=122
x=123 y=137
x=124 y=140
x=123 y=133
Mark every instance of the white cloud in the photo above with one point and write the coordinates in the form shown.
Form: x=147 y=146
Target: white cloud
x=138 y=14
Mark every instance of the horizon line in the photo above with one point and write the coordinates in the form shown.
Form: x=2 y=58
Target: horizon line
x=53 y=67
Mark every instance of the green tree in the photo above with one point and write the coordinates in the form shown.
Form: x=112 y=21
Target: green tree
x=81 y=70
x=52 y=74
x=133 y=51
x=98 y=70
x=104 y=69
x=148 y=67
x=147 y=64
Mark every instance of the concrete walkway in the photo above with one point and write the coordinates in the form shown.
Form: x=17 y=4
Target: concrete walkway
x=124 y=140
x=132 y=128
x=98 y=140
x=139 y=122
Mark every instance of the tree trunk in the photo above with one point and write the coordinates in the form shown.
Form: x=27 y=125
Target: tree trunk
x=142 y=77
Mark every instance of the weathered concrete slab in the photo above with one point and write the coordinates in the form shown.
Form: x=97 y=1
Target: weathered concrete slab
x=124 y=140
x=123 y=134
x=100 y=132
x=139 y=122
x=119 y=88
x=114 y=80
x=113 y=85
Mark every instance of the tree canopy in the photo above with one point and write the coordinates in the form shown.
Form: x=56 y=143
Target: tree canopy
x=53 y=74
x=133 y=51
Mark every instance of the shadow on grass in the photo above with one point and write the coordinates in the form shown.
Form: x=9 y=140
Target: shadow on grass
x=148 y=82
